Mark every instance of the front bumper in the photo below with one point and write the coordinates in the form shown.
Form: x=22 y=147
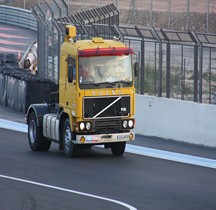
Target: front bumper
x=104 y=138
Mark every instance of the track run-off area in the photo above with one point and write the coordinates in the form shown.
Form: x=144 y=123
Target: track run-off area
x=95 y=179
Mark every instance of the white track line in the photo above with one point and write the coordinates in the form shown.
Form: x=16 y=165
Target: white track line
x=6 y=124
x=10 y=125
x=69 y=191
x=172 y=156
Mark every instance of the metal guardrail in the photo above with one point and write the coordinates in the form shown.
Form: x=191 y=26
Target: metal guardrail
x=19 y=17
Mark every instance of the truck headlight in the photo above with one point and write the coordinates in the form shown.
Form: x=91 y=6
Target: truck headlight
x=124 y=124
x=88 y=126
x=82 y=126
x=130 y=123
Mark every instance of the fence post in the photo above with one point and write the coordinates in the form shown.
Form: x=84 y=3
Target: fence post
x=210 y=74
x=181 y=72
x=169 y=21
x=142 y=66
x=200 y=73
x=168 y=71
x=195 y=72
x=160 y=89
x=207 y=16
x=151 y=13
x=188 y=15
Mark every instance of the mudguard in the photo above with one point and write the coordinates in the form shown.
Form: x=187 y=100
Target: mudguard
x=40 y=110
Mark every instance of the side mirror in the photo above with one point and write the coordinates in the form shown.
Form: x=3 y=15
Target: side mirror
x=136 y=69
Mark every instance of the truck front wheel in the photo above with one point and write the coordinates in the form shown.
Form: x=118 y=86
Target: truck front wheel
x=37 y=141
x=70 y=149
x=118 y=148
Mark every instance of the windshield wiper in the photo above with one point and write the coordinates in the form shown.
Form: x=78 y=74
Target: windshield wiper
x=117 y=83
x=95 y=84
x=107 y=83
x=111 y=84
x=123 y=81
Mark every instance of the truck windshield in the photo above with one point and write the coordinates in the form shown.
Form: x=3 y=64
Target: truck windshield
x=105 y=71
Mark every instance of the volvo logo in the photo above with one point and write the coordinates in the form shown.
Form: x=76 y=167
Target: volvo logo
x=106 y=92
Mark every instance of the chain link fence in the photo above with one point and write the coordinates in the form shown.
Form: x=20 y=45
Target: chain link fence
x=173 y=64
x=194 y=15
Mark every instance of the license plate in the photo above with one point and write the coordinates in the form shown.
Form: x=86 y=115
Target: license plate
x=123 y=137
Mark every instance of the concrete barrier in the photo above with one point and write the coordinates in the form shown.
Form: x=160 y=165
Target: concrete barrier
x=177 y=120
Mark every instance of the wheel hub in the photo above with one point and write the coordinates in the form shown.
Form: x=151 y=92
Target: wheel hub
x=67 y=138
x=32 y=131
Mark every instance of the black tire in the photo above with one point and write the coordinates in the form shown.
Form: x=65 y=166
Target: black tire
x=118 y=148
x=70 y=149
x=46 y=144
x=36 y=140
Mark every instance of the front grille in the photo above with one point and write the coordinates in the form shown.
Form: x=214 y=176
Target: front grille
x=103 y=107
x=107 y=126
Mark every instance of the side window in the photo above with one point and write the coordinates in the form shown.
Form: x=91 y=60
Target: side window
x=71 y=69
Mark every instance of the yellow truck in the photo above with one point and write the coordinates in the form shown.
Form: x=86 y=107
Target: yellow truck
x=95 y=103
